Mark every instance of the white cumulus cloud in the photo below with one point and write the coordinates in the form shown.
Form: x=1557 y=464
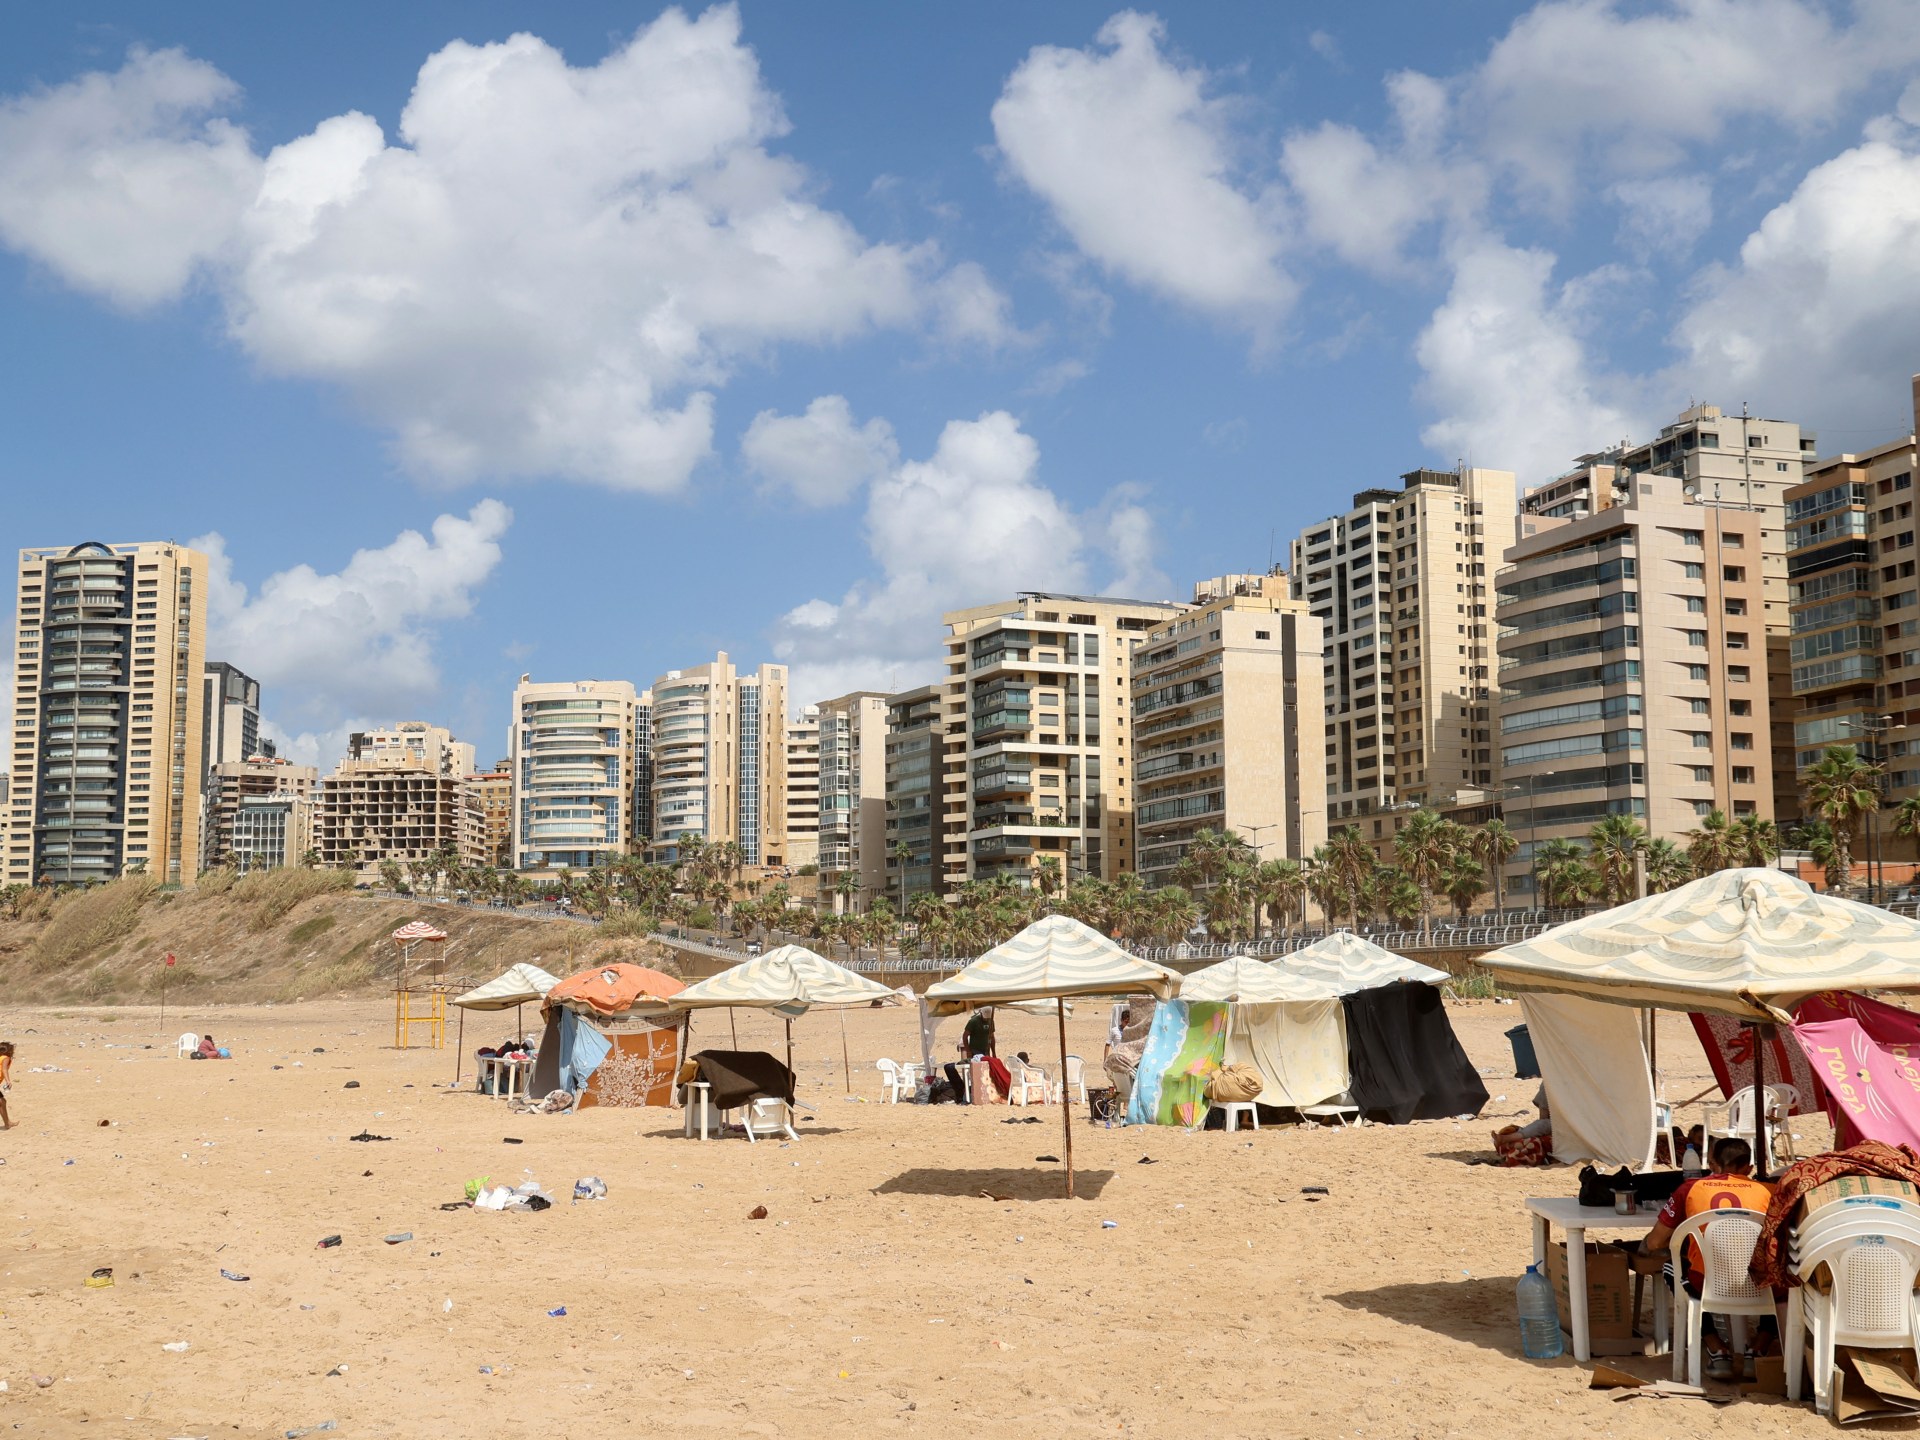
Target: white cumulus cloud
x=822 y=456
x=969 y=525
x=360 y=641
x=548 y=270
x=1141 y=166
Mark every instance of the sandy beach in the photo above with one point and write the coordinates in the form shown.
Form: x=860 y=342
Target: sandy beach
x=882 y=1295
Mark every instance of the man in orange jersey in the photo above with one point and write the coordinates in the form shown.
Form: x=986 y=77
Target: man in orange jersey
x=1729 y=1186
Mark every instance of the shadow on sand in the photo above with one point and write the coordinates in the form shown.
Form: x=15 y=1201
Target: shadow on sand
x=1045 y=1183
x=1472 y=1310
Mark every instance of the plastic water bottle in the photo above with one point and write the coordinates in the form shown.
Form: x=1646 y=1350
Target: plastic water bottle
x=1690 y=1165
x=1539 y=1317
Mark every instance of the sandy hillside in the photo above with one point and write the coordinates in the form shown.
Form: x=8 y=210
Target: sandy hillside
x=881 y=1296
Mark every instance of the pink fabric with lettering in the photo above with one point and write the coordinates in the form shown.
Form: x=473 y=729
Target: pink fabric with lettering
x=1866 y=1054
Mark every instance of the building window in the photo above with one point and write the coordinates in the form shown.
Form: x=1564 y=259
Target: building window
x=1262 y=635
x=1743 y=775
x=1703 y=774
x=1733 y=540
x=1700 y=707
x=1696 y=605
x=1691 y=537
x=1739 y=674
x=1696 y=672
x=1696 y=637
x=1692 y=570
x=1736 y=607
x=1702 y=740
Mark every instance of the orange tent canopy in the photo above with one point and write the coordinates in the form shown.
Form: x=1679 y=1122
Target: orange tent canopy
x=611 y=989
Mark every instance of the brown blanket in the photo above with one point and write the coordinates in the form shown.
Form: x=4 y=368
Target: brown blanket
x=738 y=1076
x=1870 y=1157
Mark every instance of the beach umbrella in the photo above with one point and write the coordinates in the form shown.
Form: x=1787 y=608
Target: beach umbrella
x=1056 y=959
x=1351 y=964
x=1746 y=943
x=513 y=987
x=1243 y=980
x=788 y=980
x=408 y=936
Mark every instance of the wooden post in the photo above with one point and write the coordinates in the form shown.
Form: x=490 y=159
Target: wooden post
x=846 y=1065
x=460 y=1047
x=1066 y=1106
x=1761 y=1034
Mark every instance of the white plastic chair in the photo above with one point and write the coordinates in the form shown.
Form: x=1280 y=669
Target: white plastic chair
x=188 y=1043
x=1074 y=1086
x=893 y=1080
x=768 y=1115
x=1725 y=1239
x=1734 y=1120
x=1871 y=1303
x=1026 y=1085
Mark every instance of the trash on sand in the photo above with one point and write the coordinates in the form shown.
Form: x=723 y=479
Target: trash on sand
x=1054 y=1158
x=989 y=1195
x=310 y=1429
x=1109 y=1224
x=398 y=1238
x=456 y=1204
x=351 y=1085
x=511 y=1140
x=758 y=1212
x=367 y=1135
x=105 y=1123
x=474 y=1187
x=328 y=1243
x=1148 y=1160
x=1315 y=1190
x=230 y=1275
x=176 y=1347
x=556 y=1312
x=590 y=1187
x=486 y=1369
x=43 y=1381
x=101 y=1278
x=336 y=1370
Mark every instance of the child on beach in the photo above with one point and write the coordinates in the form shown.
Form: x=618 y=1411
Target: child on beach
x=6 y=1082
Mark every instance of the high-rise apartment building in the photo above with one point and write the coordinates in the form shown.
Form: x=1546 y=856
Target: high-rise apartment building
x=108 y=713
x=643 y=769
x=1401 y=585
x=232 y=731
x=572 y=751
x=416 y=743
x=1855 y=647
x=1227 y=725
x=803 y=788
x=720 y=759
x=233 y=784
x=393 y=807
x=916 y=747
x=1043 y=768
x=489 y=799
x=1633 y=661
x=853 y=792
x=270 y=831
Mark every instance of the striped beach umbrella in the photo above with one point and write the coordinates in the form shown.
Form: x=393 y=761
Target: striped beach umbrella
x=1351 y=964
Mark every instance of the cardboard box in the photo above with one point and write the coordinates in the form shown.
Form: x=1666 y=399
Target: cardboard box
x=1609 y=1291
x=1847 y=1187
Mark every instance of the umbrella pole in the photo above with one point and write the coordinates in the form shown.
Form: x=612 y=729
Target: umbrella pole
x=1759 y=1100
x=733 y=1029
x=846 y=1066
x=1066 y=1106
x=459 y=1047
x=790 y=1049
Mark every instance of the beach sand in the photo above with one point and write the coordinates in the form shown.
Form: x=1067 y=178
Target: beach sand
x=882 y=1295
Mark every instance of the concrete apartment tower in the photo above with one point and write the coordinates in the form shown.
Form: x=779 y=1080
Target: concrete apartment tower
x=853 y=793
x=1633 y=658
x=1402 y=584
x=1854 y=652
x=232 y=731
x=720 y=759
x=803 y=788
x=1043 y=763
x=1729 y=459
x=571 y=753
x=487 y=797
x=1227 y=731
x=399 y=795
x=109 y=712
x=917 y=746
x=241 y=788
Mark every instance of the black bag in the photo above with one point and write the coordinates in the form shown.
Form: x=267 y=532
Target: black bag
x=1103 y=1104
x=941 y=1092
x=1655 y=1187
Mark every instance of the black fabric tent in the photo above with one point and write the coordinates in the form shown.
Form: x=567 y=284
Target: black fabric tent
x=1405 y=1060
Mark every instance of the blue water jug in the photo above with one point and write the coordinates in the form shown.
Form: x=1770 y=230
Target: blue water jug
x=1539 y=1317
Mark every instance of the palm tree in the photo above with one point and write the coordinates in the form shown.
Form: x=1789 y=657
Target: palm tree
x=1817 y=837
x=1399 y=899
x=1756 y=840
x=1464 y=883
x=1354 y=863
x=1713 y=845
x=1325 y=886
x=846 y=886
x=1840 y=787
x=1494 y=845
x=1425 y=848
x=1667 y=866
x=1046 y=875
x=1565 y=880
x=901 y=853
x=1207 y=857
x=1617 y=843
x=1280 y=888
x=1172 y=914
x=1906 y=817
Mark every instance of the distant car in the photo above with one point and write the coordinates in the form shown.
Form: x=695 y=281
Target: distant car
x=753 y=947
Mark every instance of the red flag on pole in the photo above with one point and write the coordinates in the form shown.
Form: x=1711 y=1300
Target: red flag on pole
x=169 y=957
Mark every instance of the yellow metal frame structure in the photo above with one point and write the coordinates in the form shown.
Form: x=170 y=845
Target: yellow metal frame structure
x=406 y=1017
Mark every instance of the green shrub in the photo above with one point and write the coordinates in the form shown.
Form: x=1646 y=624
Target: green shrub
x=624 y=923
x=308 y=929
x=701 y=918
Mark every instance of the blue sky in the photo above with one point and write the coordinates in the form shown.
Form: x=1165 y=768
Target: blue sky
x=588 y=340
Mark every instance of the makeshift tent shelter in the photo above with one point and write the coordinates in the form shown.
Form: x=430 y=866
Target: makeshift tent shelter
x=1288 y=1027
x=1746 y=943
x=1055 y=958
x=930 y=1022
x=1404 y=1061
x=611 y=1010
x=512 y=988
x=788 y=980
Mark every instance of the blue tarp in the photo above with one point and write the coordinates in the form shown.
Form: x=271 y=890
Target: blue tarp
x=582 y=1048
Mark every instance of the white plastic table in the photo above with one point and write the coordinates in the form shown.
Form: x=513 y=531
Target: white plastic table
x=1575 y=1220
x=695 y=1098
x=514 y=1071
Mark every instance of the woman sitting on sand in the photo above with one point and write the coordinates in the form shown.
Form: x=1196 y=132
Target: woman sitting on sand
x=6 y=1082
x=208 y=1050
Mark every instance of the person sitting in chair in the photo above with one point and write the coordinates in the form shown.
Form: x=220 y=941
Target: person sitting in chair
x=1730 y=1185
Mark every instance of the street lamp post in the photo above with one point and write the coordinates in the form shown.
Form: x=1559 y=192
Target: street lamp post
x=1255 y=830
